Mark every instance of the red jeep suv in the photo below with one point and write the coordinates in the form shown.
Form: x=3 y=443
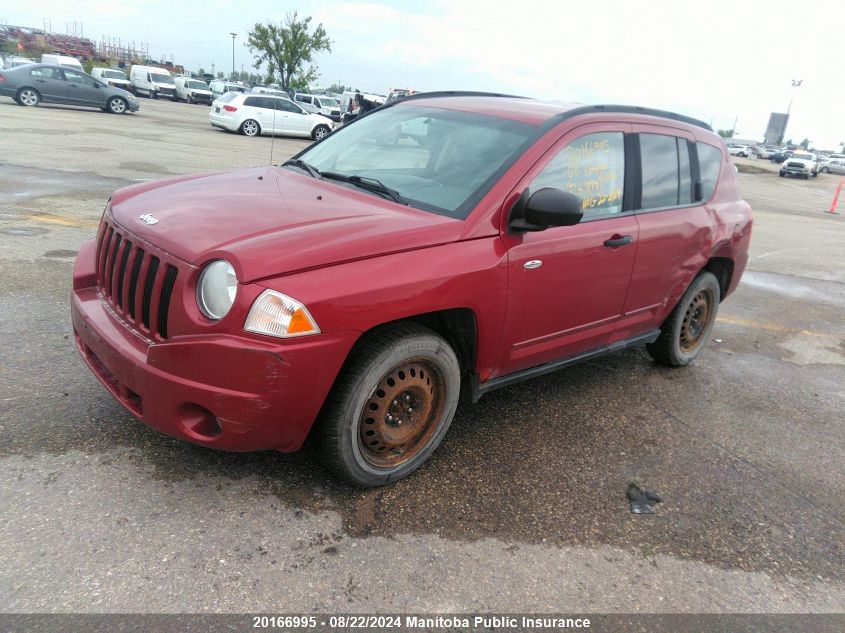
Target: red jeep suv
x=443 y=244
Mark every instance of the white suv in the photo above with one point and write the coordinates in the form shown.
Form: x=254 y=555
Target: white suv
x=254 y=114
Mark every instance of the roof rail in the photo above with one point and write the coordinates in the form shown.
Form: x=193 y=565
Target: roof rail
x=557 y=118
x=626 y=110
x=455 y=93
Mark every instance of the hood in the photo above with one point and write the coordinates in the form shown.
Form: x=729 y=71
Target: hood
x=270 y=221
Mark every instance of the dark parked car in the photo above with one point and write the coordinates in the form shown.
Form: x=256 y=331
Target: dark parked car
x=780 y=156
x=31 y=84
x=361 y=287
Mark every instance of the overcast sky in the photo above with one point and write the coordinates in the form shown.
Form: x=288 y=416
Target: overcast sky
x=716 y=60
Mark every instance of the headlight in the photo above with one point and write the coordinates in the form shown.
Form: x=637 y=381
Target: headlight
x=275 y=314
x=217 y=289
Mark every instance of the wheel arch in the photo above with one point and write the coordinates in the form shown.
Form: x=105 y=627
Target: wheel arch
x=458 y=326
x=723 y=268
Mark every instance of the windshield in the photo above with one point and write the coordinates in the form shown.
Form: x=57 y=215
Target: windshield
x=329 y=102
x=113 y=74
x=161 y=79
x=439 y=160
x=196 y=85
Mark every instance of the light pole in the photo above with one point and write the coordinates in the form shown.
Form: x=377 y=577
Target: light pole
x=233 y=55
x=796 y=83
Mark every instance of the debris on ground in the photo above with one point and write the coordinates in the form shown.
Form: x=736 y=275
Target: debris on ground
x=641 y=500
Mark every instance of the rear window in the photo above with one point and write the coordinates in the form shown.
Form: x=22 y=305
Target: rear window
x=227 y=97
x=710 y=164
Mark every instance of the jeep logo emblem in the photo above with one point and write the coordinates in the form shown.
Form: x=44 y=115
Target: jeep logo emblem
x=148 y=218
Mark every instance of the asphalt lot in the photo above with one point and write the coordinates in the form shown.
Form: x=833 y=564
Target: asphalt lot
x=523 y=507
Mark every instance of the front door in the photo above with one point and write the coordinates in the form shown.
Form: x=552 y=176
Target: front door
x=294 y=120
x=567 y=285
x=84 y=90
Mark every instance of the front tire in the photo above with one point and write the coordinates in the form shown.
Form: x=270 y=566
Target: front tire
x=320 y=132
x=686 y=330
x=28 y=97
x=116 y=105
x=250 y=127
x=390 y=406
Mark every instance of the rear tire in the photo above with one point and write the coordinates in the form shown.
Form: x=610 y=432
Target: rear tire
x=28 y=97
x=686 y=330
x=390 y=406
x=250 y=127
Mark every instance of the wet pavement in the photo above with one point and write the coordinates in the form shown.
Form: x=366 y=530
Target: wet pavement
x=523 y=508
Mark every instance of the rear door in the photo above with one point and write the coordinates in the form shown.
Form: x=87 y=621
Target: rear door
x=675 y=229
x=567 y=285
x=84 y=90
x=260 y=109
x=50 y=83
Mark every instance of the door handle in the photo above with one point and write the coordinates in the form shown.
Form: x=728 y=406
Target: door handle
x=618 y=240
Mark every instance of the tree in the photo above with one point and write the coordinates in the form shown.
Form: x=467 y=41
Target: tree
x=725 y=133
x=337 y=88
x=805 y=143
x=287 y=48
x=220 y=74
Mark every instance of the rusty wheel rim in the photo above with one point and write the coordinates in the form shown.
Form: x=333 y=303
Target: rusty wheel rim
x=696 y=321
x=402 y=414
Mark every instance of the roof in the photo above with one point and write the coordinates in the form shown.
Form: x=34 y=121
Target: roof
x=531 y=110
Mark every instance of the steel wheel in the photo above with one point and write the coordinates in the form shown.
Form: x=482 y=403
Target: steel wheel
x=696 y=321
x=250 y=128
x=28 y=97
x=117 y=105
x=402 y=414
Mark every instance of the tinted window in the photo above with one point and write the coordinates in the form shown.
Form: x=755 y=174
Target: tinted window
x=710 y=164
x=685 y=193
x=46 y=73
x=661 y=176
x=258 y=102
x=227 y=97
x=286 y=106
x=593 y=168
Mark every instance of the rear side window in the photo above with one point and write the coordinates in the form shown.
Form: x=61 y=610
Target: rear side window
x=227 y=97
x=710 y=164
x=662 y=171
x=593 y=168
x=46 y=73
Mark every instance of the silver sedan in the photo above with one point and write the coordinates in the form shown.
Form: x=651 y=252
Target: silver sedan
x=32 y=84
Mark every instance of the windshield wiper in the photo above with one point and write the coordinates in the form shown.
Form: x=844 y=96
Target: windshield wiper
x=368 y=184
x=296 y=162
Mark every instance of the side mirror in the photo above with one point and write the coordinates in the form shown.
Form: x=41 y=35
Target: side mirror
x=546 y=207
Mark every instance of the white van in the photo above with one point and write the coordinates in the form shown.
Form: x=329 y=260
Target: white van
x=152 y=81
x=327 y=106
x=221 y=87
x=62 y=60
x=112 y=76
x=192 y=90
